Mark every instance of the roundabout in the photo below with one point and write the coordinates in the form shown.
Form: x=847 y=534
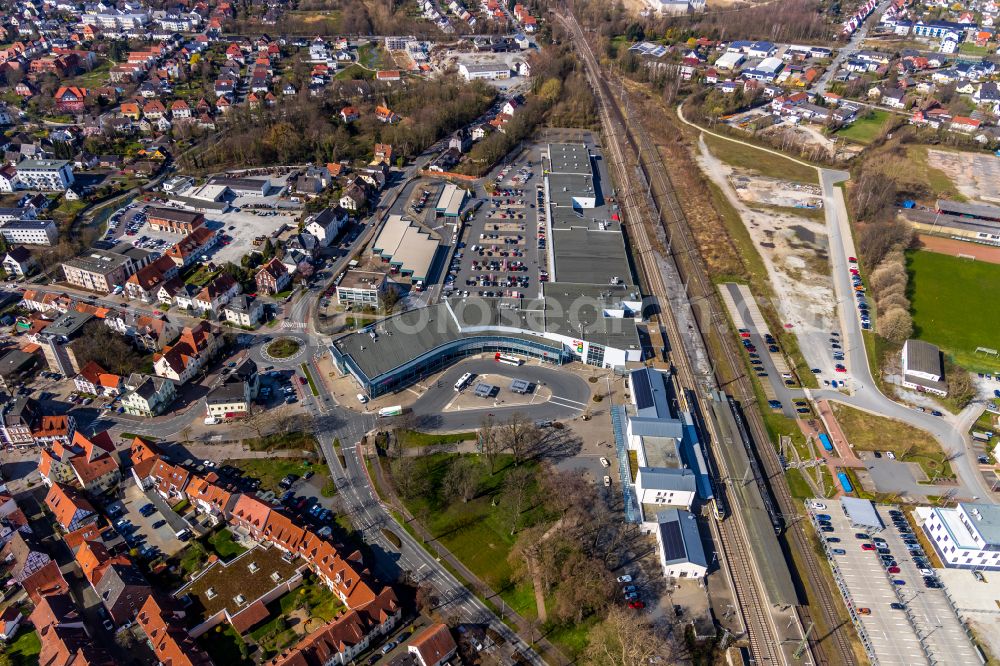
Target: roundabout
x=283 y=349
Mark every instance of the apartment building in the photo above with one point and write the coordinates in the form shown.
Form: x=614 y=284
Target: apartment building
x=30 y=232
x=46 y=175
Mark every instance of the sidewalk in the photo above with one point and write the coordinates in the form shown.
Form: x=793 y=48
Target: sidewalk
x=551 y=654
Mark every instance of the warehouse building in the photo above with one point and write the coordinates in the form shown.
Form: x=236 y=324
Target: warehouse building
x=407 y=248
x=484 y=72
x=923 y=368
x=450 y=201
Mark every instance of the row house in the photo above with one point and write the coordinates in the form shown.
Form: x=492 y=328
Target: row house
x=182 y=360
x=272 y=277
x=95 y=380
x=162 y=623
x=88 y=463
x=145 y=283
x=70 y=509
x=147 y=396
x=192 y=247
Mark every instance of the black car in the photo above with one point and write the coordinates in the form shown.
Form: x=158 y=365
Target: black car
x=897 y=606
x=825 y=528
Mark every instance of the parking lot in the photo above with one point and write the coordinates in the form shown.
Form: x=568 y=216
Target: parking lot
x=151 y=533
x=890 y=589
x=501 y=249
x=238 y=228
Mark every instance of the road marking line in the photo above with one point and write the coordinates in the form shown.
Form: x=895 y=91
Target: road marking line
x=560 y=398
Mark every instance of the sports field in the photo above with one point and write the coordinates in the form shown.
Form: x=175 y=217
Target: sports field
x=954 y=306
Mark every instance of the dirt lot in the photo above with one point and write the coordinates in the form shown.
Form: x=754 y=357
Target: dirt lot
x=774 y=192
x=976 y=175
x=794 y=248
x=957 y=247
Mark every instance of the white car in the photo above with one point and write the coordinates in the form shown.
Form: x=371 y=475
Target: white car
x=362 y=398
x=604 y=462
x=819 y=506
x=890 y=455
x=625 y=579
x=607 y=481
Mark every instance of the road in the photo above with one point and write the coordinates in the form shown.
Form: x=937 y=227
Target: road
x=865 y=394
x=849 y=49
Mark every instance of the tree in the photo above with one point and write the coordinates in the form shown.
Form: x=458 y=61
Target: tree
x=514 y=494
x=621 y=641
x=408 y=480
x=961 y=389
x=519 y=436
x=895 y=325
x=586 y=586
x=461 y=479
x=490 y=443
x=100 y=344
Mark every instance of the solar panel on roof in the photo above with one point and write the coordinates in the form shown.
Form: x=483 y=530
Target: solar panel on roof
x=643 y=396
x=520 y=386
x=484 y=390
x=673 y=542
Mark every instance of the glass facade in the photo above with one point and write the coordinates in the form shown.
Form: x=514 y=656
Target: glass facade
x=448 y=354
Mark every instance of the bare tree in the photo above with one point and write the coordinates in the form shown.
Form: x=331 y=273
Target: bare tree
x=520 y=436
x=896 y=325
x=621 y=641
x=461 y=480
x=490 y=443
x=514 y=494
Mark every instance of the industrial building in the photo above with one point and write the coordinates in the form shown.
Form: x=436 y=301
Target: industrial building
x=450 y=201
x=406 y=247
x=923 y=368
x=484 y=72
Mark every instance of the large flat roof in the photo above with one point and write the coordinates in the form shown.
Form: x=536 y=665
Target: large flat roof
x=588 y=256
x=407 y=246
x=569 y=158
x=98 y=261
x=566 y=189
x=985 y=519
x=971 y=209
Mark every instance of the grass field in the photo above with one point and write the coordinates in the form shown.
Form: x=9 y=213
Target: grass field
x=973 y=49
x=271 y=470
x=954 y=306
x=938 y=181
x=224 y=546
x=415 y=438
x=767 y=164
x=25 y=648
x=867 y=432
x=865 y=128
x=476 y=532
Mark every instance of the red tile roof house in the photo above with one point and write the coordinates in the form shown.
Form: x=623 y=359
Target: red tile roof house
x=95 y=380
x=45 y=581
x=171 y=643
x=89 y=463
x=273 y=277
x=434 y=646
x=70 y=509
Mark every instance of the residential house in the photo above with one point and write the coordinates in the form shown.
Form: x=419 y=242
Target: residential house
x=244 y=311
x=95 y=380
x=192 y=247
x=70 y=509
x=182 y=360
x=172 y=644
x=272 y=277
x=326 y=224
x=145 y=283
x=216 y=294
x=434 y=646
x=90 y=463
x=354 y=197
x=19 y=262
x=349 y=114
x=22 y=557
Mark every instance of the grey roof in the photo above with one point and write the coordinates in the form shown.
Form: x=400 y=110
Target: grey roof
x=41 y=165
x=564 y=188
x=678 y=479
x=233 y=391
x=246 y=370
x=569 y=158
x=679 y=536
x=651 y=392
x=861 y=513
x=28 y=224
x=970 y=209
x=589 y=257
x=14 y=362
x=923 y=357
x=945 y=221
x=656 y=427
x=99 y=261
x=985 y=519
x=69 y=324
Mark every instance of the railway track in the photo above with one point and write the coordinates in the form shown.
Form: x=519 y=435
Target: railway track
x=737 y=558
x=711 y=322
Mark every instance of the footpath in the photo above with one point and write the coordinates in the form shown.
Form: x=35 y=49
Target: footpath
x=550 y=653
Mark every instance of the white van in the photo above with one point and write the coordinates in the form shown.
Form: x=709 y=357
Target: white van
x=211 y=420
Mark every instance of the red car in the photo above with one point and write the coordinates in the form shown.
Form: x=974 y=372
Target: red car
x=841 y=369
x=636 y=604
x=893 y=570
x=302 y=380
x=853 y=260
x=867 y=546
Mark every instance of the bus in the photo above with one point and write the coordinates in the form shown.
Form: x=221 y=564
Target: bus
x=507 y=359
x=463 y=381
x=390 y=411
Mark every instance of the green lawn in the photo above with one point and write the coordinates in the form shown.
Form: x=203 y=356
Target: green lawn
x=476 y=532
x=271 y=470
x=797 y=485
x=25 y=648
x=353 y=73
x=304 y=441
x=202 y=276
x=865 y=128
x=224 y=546
x=954 y=306
x=973 y=49
x=749 y=158
x=322 y=603
x=309 y=378
x=284 y=347
x=224 y=645
x=414 y=438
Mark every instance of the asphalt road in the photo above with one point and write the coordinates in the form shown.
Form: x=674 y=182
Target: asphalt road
x=865 y=394
x=849 y=49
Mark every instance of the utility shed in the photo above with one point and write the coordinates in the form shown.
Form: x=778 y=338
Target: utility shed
x=862 y=513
